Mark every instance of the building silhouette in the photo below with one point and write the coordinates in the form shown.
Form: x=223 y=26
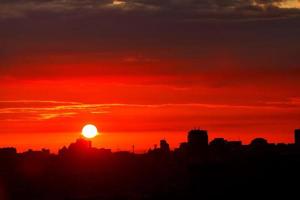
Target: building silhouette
x=218 y=148
x=259 y=142
x=198 y=138
x=297 y=137
x=218 y=142
x=8 y=152
x=197 y=145
x=164 y=147
x=81 y=147
x=80 y=144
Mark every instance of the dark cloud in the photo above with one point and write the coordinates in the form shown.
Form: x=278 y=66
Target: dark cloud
x=180 y=35
x=178 y=9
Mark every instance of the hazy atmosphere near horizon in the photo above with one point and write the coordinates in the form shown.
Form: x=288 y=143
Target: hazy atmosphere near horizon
x=144 y=70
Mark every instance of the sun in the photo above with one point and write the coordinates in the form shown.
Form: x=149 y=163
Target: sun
x=89 y=131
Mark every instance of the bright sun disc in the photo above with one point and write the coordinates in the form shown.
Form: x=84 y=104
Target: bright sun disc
x=89 y=131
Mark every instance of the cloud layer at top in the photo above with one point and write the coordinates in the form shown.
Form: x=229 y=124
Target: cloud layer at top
x=182 y=9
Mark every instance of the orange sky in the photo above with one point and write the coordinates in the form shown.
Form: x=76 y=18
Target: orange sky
x=146 y=70
x=141 y=109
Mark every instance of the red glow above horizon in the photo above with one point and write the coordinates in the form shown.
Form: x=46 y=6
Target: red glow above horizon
x=145 y=107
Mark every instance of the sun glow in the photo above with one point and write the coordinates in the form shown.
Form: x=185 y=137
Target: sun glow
x=118 y=3
x=89 y=131
x=289 y=4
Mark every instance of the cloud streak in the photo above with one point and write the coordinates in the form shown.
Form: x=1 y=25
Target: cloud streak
x=23 y=110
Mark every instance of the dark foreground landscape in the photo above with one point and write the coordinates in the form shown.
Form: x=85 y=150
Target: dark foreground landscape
x=196 y=170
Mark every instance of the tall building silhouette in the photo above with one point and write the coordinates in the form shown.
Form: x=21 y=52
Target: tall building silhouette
x=297 y=137
x=164 y=146
x=198 y=137
x=198 y=143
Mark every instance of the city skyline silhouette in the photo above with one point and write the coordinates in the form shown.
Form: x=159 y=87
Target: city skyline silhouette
x=129 y=144
x=87 y=142
x=196 y=169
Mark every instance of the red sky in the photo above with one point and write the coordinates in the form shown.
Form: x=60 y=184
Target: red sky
x=141 y=75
